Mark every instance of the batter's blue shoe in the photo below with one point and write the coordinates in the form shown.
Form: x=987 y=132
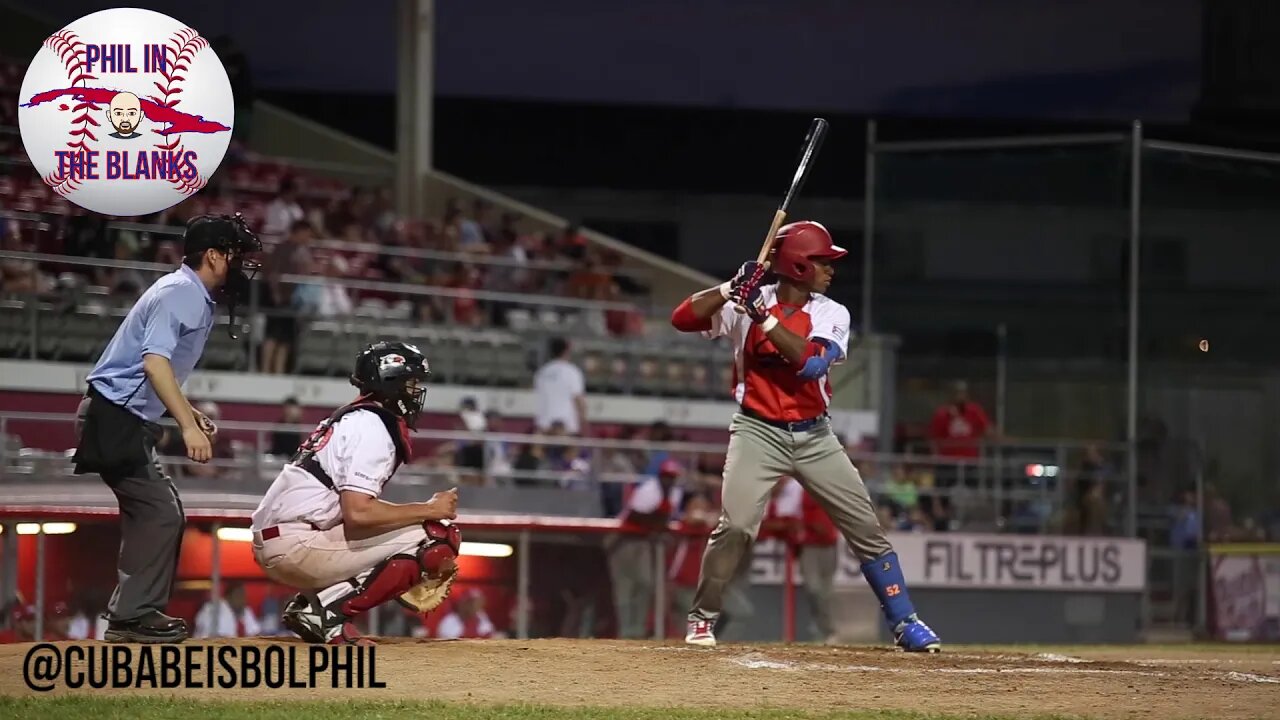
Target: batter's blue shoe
x=884 y=575
x=913 y=635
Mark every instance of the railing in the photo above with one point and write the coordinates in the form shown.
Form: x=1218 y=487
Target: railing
x=987 y=495
x=416 y=253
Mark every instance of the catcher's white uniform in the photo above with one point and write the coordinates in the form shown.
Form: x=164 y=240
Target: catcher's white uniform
x=308 y=549
x=299 y=538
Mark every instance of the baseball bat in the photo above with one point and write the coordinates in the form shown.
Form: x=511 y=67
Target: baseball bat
x=808 y=153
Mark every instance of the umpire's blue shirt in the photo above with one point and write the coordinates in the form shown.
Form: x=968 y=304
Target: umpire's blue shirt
x=172 y=318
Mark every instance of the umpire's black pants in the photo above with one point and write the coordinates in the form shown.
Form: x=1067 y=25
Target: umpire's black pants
x=121 y=448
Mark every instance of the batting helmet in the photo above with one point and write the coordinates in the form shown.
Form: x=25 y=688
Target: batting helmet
x=798 y=244
x=383 y=371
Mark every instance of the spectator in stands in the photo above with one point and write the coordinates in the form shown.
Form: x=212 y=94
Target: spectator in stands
x=467 y=619
x=320 y=298
x=527 y=464
x=468 y=455
x=230 y=617
x=572 y=244
x=472 y=234
x=901 y=491
x=572 y=463
x=918 y=521
x=127 y=281
x=958 y=427
x=659 y=433
x=559 y=389
x=284 y=211
x=497 y=453
x=624 y=463
x=284 y=443
x=955 y=433
x=647 y=507
x=291 y=257
x=20 y=277
x=466 y=310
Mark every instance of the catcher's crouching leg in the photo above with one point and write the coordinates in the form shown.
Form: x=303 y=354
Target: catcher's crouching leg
x=419 y=580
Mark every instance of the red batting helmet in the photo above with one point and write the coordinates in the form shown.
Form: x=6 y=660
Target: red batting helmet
x=800 y=242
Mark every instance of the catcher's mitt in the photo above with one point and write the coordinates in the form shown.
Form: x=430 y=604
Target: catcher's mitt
x=439 y=568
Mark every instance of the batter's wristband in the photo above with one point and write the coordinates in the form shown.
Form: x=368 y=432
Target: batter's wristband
x=726 y=290
x=769 y=323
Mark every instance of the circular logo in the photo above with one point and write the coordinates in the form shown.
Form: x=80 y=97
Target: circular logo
x=126 y=112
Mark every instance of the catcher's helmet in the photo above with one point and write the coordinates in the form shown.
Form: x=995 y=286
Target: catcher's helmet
x=798 y=244
x=383 y=371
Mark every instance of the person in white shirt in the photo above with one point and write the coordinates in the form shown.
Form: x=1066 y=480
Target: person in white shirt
x=323 y=528
x=284 y=211
x=234 y=617
x=559 y=390
x=467 y=620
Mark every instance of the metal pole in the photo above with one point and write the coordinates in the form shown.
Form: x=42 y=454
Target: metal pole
x=9 y=562
x=1202 y=554
x=40 y=572
x=1135 y=234
x=522 y=587
x=1002 y=374
x=659 y=589
x=215 y=586
x=34 y=336
x=788 y=593
x=868 y=225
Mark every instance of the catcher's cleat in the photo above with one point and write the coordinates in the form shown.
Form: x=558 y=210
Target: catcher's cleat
x=913 y=635
x=346 y=634
x=300 y=618
x=700 y=633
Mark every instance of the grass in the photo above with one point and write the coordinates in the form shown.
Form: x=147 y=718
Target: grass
x=159 y=708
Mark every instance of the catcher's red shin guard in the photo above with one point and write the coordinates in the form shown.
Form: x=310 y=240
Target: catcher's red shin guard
x=388 y=579
x=325 y=615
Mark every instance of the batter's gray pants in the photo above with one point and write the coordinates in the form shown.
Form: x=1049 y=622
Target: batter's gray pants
x=759 y=454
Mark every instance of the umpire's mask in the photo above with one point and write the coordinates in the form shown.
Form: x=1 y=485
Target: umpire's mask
x=232 y=236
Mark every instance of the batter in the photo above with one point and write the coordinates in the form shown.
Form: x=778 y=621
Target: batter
x=784 y=345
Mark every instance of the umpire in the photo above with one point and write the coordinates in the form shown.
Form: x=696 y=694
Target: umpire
x=137 y=380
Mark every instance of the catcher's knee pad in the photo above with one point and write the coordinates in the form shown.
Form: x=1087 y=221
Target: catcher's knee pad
x=437 y=559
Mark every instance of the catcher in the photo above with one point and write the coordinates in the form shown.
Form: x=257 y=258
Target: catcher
x=322 y=527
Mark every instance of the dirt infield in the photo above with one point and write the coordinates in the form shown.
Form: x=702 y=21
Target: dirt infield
x=1106 y=682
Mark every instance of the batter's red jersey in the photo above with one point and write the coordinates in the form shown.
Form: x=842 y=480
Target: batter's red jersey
x=765 y=382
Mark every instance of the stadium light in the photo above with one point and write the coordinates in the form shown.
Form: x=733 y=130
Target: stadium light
x=235 y=534
x=49 y=528
x=484 y=549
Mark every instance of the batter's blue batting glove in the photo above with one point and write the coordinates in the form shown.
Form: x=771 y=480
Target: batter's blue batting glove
x=755 y=307
x=818 y=365
x=748 y=277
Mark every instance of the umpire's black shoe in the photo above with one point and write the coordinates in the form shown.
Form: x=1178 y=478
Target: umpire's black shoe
x=154 y=627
